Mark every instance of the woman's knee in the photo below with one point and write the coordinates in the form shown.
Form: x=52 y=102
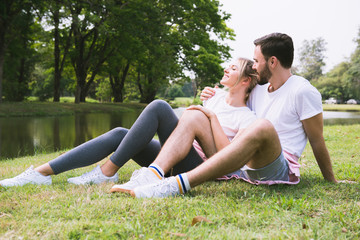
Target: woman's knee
x=159 y=104
x=118 y=132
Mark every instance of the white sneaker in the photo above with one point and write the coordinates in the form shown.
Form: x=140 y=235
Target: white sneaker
x=30 y=176
x=168 y=187
x=93 y=177
x=139 y=177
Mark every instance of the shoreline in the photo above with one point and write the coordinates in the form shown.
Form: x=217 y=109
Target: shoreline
x=31 y=109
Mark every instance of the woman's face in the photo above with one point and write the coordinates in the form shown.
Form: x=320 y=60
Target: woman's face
x=231 y=75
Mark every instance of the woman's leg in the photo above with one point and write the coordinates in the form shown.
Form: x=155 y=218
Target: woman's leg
x=87 y=153
x=158 y=117
x=136 y=143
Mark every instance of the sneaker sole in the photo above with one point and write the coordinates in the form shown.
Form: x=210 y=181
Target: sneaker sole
x=113 y=190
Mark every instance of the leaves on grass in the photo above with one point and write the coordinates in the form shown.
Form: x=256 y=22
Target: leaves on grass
x=5 y=215
x=177 y=234
x=198 y=219
x=344 y=230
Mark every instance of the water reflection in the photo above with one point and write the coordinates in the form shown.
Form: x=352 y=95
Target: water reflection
x=29 y=135
x=341 y=118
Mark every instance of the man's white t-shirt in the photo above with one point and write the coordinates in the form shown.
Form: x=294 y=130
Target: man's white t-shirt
x=285 y=108
x=231 y=118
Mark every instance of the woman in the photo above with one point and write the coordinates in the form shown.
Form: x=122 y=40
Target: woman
x=137 y=144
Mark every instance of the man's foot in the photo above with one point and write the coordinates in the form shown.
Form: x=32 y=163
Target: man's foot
x=168 y=187
x=139 y=177
x=30 y=176
x=93 y=177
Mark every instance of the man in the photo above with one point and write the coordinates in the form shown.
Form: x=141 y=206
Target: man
x=289 y=109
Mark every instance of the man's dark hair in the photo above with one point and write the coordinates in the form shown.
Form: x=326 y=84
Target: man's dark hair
x=279 y=45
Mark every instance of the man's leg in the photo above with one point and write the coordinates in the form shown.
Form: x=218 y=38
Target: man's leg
x=176 y=150
x=192 y=125
x=257 y=146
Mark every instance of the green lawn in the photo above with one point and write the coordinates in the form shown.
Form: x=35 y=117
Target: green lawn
x=313 y=209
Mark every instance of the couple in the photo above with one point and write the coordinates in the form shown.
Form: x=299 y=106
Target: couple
x=230 y=141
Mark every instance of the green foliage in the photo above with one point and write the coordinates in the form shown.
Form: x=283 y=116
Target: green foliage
x=343 y=81
x=103 y=91
x=18 y=35
x=312 y=58
x=42 y=84
x=146 y=43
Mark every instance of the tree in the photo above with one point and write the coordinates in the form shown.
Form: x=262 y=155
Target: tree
x=91 y=41
x=181 y=36
x=343 y=81
x=59 y=59
x=352 y=78
x=16 y=19
x=18 y=57
x=312 y=58
x=332 y=84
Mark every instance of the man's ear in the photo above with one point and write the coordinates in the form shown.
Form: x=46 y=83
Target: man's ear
x=273 y=62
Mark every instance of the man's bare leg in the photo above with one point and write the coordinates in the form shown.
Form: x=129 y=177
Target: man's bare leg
x=257 y=147
x=192 y=125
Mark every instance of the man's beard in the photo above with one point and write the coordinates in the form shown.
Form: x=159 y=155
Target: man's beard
x=264 y=75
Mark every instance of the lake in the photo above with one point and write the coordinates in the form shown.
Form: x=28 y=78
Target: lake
x=21 y=136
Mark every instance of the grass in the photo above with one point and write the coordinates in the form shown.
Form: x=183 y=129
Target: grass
x=313 y=209
x=342 y=107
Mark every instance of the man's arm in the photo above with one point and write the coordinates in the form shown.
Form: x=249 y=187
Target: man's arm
x=314 y=130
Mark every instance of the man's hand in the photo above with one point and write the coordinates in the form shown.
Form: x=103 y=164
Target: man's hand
x=207 y=93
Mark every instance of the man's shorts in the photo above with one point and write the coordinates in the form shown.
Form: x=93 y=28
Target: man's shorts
x=275 y=171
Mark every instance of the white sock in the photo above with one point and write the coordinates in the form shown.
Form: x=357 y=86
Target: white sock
x=183 y=183
x=157 y=170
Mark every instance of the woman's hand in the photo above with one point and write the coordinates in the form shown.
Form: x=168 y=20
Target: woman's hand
x=207 y=93
x=210 y=114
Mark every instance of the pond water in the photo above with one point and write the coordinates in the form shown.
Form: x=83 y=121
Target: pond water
x=21 y=136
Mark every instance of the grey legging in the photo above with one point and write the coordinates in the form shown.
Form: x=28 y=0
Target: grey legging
x=137 y=143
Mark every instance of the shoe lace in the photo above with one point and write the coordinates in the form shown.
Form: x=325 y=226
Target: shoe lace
x=24 y=174
x=89 y=174
x=137 y=174
x=166 y=188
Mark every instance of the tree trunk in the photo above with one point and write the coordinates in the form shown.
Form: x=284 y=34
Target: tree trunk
x=2 y=55
x=148 y=94
x=2 y=58
x=117 y=84
x=57 y=74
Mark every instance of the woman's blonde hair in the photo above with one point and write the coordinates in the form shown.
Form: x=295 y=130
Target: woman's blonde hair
x=246 y=70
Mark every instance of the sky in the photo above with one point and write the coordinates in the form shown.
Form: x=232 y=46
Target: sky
x=336 y=21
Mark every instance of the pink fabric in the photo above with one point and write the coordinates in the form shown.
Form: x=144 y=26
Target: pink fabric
x=199 y=150
x=294 y=169
x=294 y=173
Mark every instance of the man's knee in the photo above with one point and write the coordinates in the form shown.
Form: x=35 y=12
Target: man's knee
x=260 y=131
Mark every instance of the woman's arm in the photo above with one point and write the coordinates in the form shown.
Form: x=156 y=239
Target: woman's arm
x=220 y=138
